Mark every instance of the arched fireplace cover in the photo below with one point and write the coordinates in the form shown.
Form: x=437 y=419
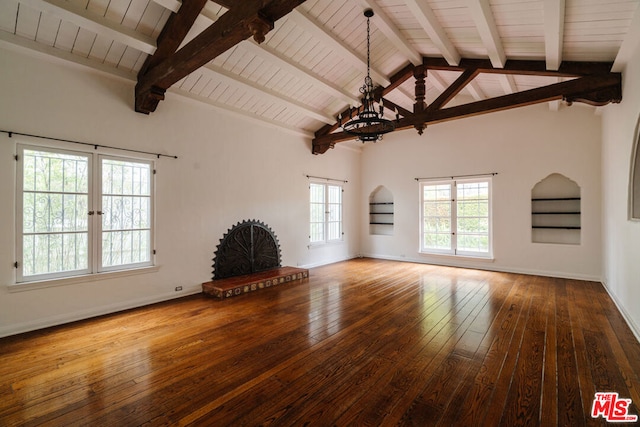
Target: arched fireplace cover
x=248 y=247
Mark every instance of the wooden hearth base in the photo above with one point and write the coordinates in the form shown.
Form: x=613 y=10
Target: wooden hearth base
x=238 y=285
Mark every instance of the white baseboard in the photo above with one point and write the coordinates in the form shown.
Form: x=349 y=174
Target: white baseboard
x=487 y=265
x=635 y=328
x=327 y=262
x=56 y=320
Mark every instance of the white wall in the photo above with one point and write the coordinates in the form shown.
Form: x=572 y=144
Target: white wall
x=229 y=169
x=523 y=146
x=621 y=237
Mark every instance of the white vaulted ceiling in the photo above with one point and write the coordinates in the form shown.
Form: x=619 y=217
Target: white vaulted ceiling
x=312 y=64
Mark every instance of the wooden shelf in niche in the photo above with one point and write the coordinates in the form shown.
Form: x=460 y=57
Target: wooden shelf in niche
x=381 y=211
x=556 y=211
x=573 y=215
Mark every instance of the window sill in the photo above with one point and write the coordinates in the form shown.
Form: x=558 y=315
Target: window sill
x=487 y=258
x=41 y=284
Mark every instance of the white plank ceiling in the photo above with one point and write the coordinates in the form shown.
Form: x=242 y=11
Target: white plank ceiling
x=313 y=62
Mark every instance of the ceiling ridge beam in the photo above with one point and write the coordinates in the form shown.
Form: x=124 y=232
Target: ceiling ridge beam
x=431 y=25
x=95 y=23
x=306 y=22
x=384 y=24
x=221 y=74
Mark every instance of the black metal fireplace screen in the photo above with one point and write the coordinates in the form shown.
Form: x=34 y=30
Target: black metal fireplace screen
x=248 y=247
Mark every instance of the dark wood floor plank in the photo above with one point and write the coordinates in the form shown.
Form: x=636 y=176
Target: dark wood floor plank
x=364 y=342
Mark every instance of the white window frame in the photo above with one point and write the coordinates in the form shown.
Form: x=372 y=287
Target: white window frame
x=453 y=219
x=327 y=210
x=94 y=228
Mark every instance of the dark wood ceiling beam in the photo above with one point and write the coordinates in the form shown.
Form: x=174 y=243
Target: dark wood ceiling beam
x=243 y=20
x=522 y=67
x=594 y=90
x=396 y=80
x=455 y=88
x=395 y=107
x=174 y=32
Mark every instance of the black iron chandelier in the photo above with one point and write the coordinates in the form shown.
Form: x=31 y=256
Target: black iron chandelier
x=368 y=124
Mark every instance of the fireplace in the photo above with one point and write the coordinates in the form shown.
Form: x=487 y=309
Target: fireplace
x=248 y=259
x=248 y=247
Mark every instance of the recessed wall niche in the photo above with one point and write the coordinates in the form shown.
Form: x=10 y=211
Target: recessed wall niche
x=381 y=211
x=556 y=211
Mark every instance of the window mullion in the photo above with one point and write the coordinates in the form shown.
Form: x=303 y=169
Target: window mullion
x=95 y=221
x=454 y=217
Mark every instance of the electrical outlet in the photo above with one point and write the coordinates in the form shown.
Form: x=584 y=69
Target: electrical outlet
x=178 y=288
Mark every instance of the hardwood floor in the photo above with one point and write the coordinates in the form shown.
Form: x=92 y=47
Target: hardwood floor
x=363 y=342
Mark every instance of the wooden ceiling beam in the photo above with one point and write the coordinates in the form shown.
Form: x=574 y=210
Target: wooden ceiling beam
x=174 y=32
x=243 y=20
x=431 y=25
x=523 y=67
x=94 y=22
x=455 y=88
x=594 y=90
x=553 y=32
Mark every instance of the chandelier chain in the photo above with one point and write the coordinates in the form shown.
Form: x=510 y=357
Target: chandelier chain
x=368 y=48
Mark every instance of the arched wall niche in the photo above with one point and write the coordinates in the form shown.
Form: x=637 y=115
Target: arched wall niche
x=556 y=211
x=381 y=211
x=634 y=182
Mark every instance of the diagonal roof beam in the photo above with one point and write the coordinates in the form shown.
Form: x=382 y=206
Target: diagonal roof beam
x=174 y=32
x=449 y=93
x=94 y=22
x=275 y=57
x=248 y=18
x=384 y=24
x=396 y=80
x=430 y=24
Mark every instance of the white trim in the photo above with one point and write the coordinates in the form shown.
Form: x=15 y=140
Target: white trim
x=96 y=23
x=635 y=328
x=83 y=278
x=94 y=312
x=453 y=187
x=484 y=264
x=94 y=228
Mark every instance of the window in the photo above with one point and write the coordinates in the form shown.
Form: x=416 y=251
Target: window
x=326 y=213
x=455 y=217
x=82 y=213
